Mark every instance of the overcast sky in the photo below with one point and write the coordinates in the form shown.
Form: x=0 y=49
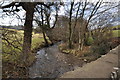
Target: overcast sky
x=12 y=20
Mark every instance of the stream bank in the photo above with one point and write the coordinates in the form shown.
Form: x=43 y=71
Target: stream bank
x=51 y=63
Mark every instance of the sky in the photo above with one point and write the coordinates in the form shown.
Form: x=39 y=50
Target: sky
x=63 y=0
x=11 y=20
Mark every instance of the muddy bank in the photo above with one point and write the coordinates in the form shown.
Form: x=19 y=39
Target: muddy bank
x=101 y=68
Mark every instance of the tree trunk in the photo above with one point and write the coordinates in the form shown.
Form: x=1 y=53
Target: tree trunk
x=70 y=36
x=70 y=26
x=45 y=39
x=43 y=30
x=27 y=33
x=81 y=35
x=86 y=34
x=79 y=41
x=82 y=43
x=85 y=38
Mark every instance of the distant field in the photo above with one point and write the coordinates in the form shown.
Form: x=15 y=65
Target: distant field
x=116 y=33
x=118 y=26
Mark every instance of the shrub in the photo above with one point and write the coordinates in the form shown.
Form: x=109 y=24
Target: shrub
x=101 y=44
x=89 y=41
x=101 y=48
x=57 y=34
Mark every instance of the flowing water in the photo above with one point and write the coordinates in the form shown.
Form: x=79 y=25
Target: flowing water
x=51 y=63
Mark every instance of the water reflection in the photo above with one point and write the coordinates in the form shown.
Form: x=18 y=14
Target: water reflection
x=51 y=63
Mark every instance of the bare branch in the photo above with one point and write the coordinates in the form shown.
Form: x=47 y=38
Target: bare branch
x=99 y=14
x=83 y=10
x=9 y=5
x=56 y=17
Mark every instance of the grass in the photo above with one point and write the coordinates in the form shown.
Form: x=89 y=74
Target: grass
x=12 y=54
x=85 y=54
x=118 y=26
x=37 y=39
x=116 y=33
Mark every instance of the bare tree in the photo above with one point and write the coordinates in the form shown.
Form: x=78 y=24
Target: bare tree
x=27 y=25
x=84 y=19
x=41 y=23
x=70 y=25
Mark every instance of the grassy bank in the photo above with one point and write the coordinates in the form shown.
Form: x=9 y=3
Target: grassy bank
x=92 y=51
x=116 y=31
x=12 y=48
x=11 y=53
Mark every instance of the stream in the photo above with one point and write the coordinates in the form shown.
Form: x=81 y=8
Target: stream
x=51 y=63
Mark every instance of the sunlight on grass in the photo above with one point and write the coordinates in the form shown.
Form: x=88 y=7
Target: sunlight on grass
x=116 y=33
x=12 y=54
x=36 y=41
x=118 y=26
